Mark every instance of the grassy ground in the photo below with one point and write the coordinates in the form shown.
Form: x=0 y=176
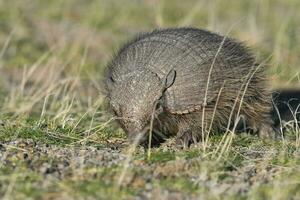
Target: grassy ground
x=57 y=140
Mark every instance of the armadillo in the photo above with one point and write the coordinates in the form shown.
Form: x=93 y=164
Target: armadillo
x=187 y=83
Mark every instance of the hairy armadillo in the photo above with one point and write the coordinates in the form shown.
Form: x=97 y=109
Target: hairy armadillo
x=187 y=83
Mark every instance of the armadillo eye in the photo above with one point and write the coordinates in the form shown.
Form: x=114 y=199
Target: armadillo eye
x=115 y=109
x=115 y=113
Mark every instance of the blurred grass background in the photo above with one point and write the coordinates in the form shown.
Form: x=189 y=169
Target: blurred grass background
x=52 y=58
x=270 y=27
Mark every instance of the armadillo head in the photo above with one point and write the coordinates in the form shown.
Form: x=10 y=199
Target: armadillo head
x=134 y=98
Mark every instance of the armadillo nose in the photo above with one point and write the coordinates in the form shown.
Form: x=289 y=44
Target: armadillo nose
x=138 y=136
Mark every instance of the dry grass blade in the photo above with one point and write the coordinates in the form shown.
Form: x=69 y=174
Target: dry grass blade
x=203 y=131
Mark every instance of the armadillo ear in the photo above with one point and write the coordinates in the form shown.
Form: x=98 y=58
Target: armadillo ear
x=170 y=78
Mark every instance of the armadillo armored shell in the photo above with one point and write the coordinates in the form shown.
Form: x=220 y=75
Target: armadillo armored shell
x=216 y=78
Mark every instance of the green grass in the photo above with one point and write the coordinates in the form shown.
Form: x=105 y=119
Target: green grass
x=52 y=58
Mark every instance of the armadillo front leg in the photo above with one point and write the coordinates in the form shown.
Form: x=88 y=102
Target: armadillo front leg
x=187 y=135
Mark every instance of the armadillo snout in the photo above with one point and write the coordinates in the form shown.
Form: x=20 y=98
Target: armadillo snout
x=137 y=138
x=136 y=132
